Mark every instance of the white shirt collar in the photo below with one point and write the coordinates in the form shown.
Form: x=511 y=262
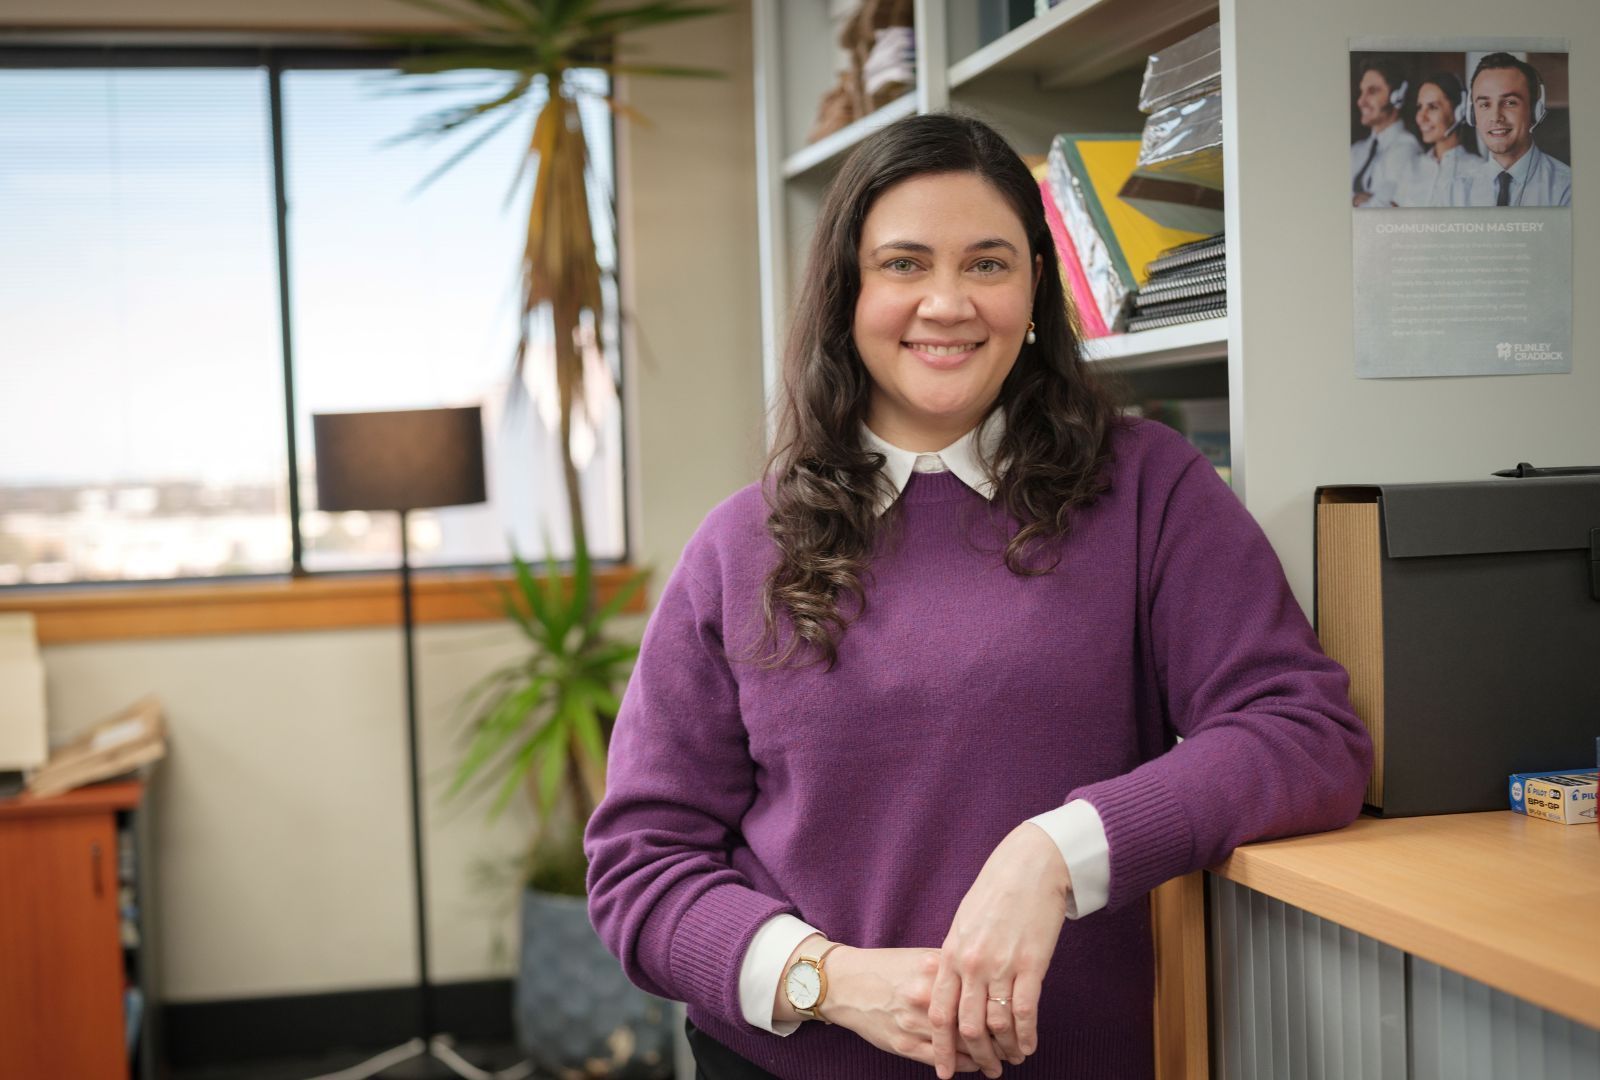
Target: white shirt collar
x=1392 y=134
x=965 y=457
x=1521 y=168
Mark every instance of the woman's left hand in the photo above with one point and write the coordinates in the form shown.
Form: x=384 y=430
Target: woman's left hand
x=999 y=946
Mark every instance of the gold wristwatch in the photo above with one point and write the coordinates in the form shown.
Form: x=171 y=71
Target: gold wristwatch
x=805 y=984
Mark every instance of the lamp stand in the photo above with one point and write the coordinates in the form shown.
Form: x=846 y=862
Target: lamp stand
x=438 y=1059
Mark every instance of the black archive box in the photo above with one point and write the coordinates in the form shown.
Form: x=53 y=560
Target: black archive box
x=1468 y=616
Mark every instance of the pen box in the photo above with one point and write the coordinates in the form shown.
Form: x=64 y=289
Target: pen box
x=1568 y=797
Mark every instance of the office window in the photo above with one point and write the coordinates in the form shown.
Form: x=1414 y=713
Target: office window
x=141 y=378
x=143 y=419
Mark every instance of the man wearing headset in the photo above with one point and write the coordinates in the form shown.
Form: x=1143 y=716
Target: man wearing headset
x=1380 y=161
x=1507 y=104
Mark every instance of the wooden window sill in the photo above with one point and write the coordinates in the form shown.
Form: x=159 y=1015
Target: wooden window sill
x=290 y=604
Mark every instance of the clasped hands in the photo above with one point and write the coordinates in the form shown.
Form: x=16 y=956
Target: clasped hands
x=972 y=1004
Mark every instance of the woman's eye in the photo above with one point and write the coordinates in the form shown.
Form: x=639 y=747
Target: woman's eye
x=988 y=266
x=901 y=266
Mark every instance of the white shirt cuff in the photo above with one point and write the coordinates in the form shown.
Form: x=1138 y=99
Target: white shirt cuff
x=763 y=969
x=1081 y=835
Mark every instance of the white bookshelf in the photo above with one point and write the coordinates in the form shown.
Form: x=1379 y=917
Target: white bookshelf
x=1076 y=43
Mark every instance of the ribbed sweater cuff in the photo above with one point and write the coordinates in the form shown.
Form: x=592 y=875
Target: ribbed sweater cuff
x=709 y=943
x=1146 y=829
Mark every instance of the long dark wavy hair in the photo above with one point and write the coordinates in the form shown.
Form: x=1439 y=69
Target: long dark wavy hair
x=822 y=485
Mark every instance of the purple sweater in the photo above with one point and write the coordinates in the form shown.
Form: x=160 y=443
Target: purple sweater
x=965 y=700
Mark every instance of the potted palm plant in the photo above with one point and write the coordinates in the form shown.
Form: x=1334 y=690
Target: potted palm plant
x=542 y=723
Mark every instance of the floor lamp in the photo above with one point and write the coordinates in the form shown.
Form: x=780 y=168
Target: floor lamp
x=405 y=460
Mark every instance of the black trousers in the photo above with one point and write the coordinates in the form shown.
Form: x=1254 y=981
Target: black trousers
x=713 y=1061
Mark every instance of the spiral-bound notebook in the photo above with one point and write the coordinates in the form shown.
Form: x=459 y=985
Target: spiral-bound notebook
x=1215 y=265
x=1206 y=302
x=1156 y=322
x=1181 y=287
x=1210 y=247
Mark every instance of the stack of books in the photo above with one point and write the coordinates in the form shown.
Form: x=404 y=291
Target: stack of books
x=1105 y=245
x=1185 y=284
x=1137 y=218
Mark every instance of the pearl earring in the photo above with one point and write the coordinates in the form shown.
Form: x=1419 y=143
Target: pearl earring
x=1030 y=337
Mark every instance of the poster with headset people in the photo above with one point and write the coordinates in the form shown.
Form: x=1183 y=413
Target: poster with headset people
x=1461 y=195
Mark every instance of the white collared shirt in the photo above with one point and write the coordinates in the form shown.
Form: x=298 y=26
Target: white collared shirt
x=1076 y=827
x=1397 y=147
x=1537 y=179
x=1431 y=181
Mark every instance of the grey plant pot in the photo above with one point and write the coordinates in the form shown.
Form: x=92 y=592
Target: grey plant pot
x=576 y=1013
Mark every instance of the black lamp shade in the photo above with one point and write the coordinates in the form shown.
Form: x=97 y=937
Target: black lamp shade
x=399 y=460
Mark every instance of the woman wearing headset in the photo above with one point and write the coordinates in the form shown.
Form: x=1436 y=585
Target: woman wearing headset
x=1441 y=120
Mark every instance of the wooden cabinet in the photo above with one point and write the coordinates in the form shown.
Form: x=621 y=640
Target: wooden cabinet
x=63 y=973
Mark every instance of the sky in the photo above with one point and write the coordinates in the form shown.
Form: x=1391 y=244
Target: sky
x=138 y=275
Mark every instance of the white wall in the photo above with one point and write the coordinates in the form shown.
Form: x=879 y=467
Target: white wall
x=1307 y=420
x=282 y=842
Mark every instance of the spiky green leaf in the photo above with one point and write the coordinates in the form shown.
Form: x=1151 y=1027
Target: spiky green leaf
x=618 y=600
x=498 y=726
x=460 y=155
x=515 y=771
x=532 y=592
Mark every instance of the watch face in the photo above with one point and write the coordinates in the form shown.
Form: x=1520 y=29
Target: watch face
x=803 y=985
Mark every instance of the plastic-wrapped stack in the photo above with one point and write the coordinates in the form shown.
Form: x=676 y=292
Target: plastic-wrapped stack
x=1178 y=178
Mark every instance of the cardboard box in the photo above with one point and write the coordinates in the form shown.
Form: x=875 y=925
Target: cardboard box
x=1468 y=616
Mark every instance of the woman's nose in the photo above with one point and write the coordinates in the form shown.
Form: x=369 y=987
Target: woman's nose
x=946 y=301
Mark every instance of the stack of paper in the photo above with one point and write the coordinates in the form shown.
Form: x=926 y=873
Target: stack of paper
x=132 y=738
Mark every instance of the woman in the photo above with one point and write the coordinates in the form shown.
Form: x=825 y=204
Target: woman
x=912 y=701
x=1431 y=177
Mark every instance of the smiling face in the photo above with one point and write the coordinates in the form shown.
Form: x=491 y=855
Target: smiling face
x=1436 y=115
x=946 y=294
x=1502 y=111
x=1372 y=100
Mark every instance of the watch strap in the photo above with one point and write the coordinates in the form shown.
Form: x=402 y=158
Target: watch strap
x=815 y=1011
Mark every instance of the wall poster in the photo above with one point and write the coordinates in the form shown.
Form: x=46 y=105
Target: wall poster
x=1461 y=195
